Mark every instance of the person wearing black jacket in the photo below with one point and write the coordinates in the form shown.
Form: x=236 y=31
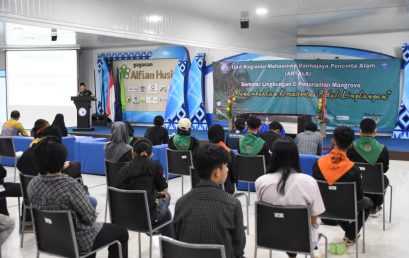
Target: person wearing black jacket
x=272 y=134
x=10 y=190
x=336 y=167
x=216 y=136
x=368 y=150
x=143 y=173
x=157 y=134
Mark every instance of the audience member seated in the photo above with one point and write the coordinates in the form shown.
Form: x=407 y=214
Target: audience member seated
x=131 y=138
x=216 y=136
x=118 y=149
x=233 y=137
x=13 y=127
x=273 y=133
x=336 y=167
x=10 y=190
x=143 y=173
x=207 y=214
x=368 y=150
x=6 y=228
x=252 y=145
x=39 y=125
x=60 y=124
x=183 y=140
x=157 y=134
x=309 y=141
x=52 y=190
x=285 y=185
x=27 y=165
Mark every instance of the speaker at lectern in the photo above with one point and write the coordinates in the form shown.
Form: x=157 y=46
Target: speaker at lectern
x=83 y=104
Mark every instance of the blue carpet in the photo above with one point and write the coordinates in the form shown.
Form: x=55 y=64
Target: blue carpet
x=391 y=144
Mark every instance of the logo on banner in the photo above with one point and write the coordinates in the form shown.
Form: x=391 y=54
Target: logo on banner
x=125 y=71
x=224 y=68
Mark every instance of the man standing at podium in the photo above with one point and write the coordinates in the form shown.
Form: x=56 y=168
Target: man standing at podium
x=83 y=91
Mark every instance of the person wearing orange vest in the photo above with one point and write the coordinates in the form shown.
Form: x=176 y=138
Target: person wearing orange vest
x=336 y=167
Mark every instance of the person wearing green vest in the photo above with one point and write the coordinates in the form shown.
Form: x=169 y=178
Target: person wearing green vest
x=183 y=140
x=251 y=144
x=368 y=150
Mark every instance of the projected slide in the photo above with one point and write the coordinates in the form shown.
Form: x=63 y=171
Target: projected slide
x=40 y=83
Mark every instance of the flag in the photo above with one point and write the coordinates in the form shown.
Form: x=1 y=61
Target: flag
x=110 y=111
x=118 y=104
x=123 y=97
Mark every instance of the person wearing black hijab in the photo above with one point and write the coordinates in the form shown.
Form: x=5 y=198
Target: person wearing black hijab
x=60 y=124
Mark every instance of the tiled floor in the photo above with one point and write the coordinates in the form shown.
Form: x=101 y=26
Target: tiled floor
x=379 y=244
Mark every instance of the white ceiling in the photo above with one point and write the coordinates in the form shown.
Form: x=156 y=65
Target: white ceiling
x=298 y=18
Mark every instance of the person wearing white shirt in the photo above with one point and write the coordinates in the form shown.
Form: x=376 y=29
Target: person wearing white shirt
x=285 y=185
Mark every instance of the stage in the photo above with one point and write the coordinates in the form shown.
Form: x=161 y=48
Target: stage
x=398 y=148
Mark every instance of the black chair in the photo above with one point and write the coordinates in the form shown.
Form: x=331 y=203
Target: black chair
x=170 y=248
x=179 y=163
x=284 y=228
x=130 y=209
x=55 y=235
x=24 y=181
x=194 y=177
x=340 y=201
x=111 y=169
x=373 y=183
x=7 y=150
x=248 y=168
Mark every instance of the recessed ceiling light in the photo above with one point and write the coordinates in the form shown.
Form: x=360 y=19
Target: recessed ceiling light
x=261 y=11
x=154 y=18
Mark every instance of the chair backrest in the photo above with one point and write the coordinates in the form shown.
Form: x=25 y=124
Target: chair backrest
x=111 y=170
x=249 y=168
x=130 y=209
x=339 y=199
x=284 y=228
x=24 y=181
x=179 y=162
x=170 y=248
x=372 y=177
x=194 y=177
x=7 y=148
x=54 y=232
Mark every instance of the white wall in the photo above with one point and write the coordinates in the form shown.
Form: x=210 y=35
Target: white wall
x=386 y=43
x=176 y=27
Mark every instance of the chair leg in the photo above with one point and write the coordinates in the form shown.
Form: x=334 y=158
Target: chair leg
x=23 y=227
x=18 y=207
x=390 y=208
x=383 y=211
x=255 y=252
x=139 y=241
x=247 y=215
x=356 y=236
x=15 y=169
x=271 y=253
x=182 y=185
x=363 y=231
x=38 y=254
x=150 y=245
x=106 y=207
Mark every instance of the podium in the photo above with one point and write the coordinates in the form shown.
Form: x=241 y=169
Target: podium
x=83 y=104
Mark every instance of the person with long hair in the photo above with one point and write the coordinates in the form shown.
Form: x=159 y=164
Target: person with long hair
x=157 y=134
x=143 y=173
x=118 y=149
x=60 y=124
x=52 y=190
x=285 y=185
